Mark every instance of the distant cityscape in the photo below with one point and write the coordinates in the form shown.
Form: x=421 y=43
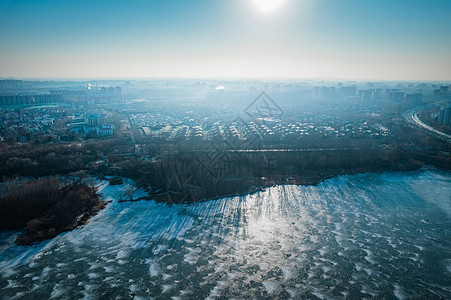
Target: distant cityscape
x=51 y=111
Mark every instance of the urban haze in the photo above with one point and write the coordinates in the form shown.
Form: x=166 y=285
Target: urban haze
x=239 y=149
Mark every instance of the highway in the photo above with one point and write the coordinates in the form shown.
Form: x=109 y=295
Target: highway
x=411 y=117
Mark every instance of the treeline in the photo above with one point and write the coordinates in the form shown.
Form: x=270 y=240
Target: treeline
x=46 y=207
x=59 y=158
x=193 y=176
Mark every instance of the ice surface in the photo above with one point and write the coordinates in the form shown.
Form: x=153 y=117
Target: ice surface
x=363 y=233
x=270 y=286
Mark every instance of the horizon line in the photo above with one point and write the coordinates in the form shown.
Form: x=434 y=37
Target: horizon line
x=219 y=78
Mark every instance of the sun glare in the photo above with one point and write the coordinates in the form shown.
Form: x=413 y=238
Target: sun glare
x=267 y=5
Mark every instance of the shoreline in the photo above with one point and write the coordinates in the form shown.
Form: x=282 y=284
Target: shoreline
x=34 y=233
x=162 y=197
x=26 y=241
x=40 y=209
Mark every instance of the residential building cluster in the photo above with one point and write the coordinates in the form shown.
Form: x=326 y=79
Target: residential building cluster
x=47 y=124
x=161 y=126
x=22 y=125
x=93 y=124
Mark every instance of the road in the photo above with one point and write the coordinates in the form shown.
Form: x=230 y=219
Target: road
x=411 y=117
x=132 y=134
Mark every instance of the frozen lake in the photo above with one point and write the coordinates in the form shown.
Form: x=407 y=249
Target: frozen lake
x=364 y=236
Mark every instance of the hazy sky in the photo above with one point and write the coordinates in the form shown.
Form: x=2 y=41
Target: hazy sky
x=353 y=39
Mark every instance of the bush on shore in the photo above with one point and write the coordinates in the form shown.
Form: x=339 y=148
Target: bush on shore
x=46 y=207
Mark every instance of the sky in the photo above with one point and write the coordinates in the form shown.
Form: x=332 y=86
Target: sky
x=297 y=39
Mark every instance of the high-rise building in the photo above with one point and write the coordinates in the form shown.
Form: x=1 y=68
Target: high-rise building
x=11 y=84
x=438 y=93
x=367 y=96
x=447 y=116
x=111 y=91
x=324 y=92
x=414 y=97
x=378 y=93
x=348 y=91
x=441 y=115
x=394 y=95
x=118 y=91
x=30 y=99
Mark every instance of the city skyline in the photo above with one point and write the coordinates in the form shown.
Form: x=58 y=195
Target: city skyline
x=383 y=40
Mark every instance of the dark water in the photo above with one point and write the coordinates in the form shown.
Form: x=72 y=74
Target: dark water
x=384 y=236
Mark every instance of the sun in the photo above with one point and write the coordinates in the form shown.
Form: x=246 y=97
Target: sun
x=267 y=5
